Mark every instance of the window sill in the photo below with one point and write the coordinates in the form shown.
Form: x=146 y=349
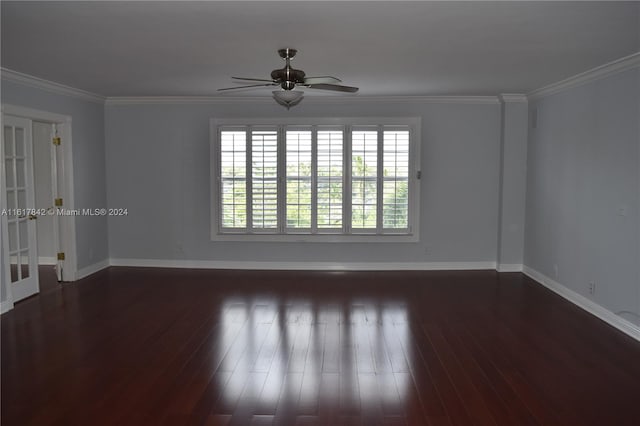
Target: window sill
x=317 y=238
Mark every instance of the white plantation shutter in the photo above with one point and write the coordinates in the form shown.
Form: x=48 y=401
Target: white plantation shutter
x=233 y=178
x=299 y=170
x=364 y=175
x=264 y=179
x=395 y=187
x=329 y=179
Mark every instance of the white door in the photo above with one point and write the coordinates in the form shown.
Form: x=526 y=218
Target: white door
x=19 y=214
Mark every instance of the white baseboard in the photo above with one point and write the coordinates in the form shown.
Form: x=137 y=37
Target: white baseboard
x=311 y=266
x=588 y=305
x=5 y=306
x=92 y=269
x=509 y=267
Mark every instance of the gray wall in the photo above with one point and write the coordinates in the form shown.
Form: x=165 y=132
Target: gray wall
x=158 y=168
x=513 y=178
x=582 y=221
x=88 y=161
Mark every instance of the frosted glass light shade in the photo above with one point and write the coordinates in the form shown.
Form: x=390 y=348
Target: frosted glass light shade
x=287 y=98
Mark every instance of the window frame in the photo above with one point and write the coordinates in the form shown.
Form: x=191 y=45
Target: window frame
x=346 y=233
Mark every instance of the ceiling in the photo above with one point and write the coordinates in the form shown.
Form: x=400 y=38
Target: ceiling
x=385 y=48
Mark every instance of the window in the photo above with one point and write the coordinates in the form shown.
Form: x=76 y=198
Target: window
x=315 y=180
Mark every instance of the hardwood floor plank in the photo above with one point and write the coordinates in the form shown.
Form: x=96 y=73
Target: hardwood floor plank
x=270 y=346
x=288 y=402
x=244 y=411
x=510 y=368
x=475 y=401
x=390 y=400
x=370 y=400
x=500 y=411
x=261 y=421
x=329 y=398
x=209 y=398
x=417 y=386
x=429 y=369
x=310 y=388
x=517 y=408
x=332 y=349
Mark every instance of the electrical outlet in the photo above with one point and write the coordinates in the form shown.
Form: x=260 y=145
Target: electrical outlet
x=592 y=288
x=555 y=271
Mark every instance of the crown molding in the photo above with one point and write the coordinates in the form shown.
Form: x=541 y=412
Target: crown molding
x=613 y=67
x=49 y=86
x=176 y=100
x=143 y=100
x=513 y=97
x=61 y=89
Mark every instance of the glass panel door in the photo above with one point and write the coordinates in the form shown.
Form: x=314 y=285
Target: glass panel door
x=18 y=215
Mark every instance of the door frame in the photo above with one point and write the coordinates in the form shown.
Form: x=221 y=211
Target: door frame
x=67 y=238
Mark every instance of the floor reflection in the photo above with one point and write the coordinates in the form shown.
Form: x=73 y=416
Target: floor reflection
x=294 y=355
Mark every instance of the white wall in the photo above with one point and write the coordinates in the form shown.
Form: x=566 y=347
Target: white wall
x=158 y=167
x=88 y=160
x=583 y=190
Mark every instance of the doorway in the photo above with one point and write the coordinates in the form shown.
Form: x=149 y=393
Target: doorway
x=46 y=191
x=37 y=236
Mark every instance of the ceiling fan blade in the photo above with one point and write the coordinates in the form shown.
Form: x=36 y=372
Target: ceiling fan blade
x=322 y=80
x=247 y=87
x=252 y=79
x=334 y=87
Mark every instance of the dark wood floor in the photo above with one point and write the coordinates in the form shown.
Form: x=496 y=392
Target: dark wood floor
x=158 y=347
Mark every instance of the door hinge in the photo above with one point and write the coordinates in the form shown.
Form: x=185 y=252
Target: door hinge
x=419 y=174
x=58 y=202
x=61 y=256
x=57 y=141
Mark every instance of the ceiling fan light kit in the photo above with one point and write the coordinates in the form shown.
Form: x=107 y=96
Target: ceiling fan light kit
x=288 y=98
x=288 y=78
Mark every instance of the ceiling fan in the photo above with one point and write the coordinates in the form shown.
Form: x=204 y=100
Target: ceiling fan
x=289 y=78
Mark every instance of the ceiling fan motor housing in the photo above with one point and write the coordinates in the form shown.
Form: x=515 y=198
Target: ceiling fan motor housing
x=288 y=77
